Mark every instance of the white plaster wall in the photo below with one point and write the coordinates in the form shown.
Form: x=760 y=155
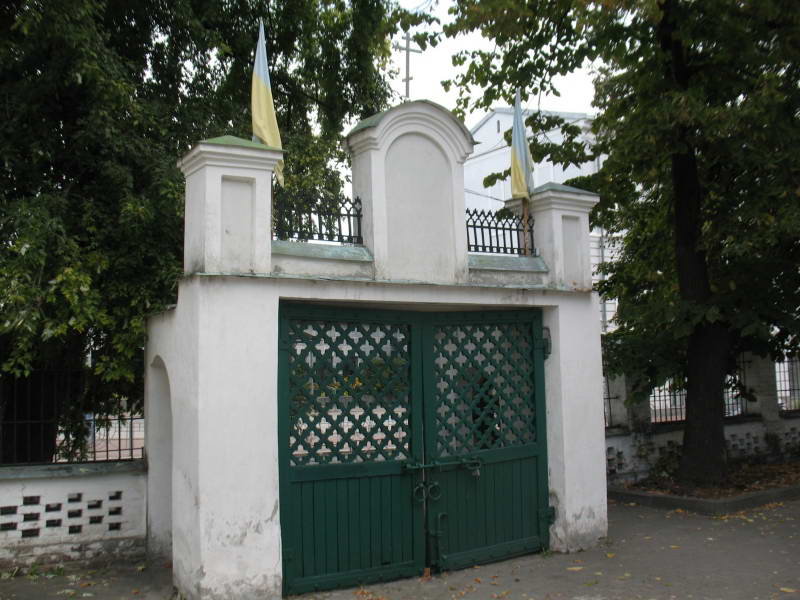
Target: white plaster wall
x=408 y=171
x=313 y=267
x=631 y=456
x=418 y=204
x=575 y=426
x=173 y=338
x=507 y=278
x=108 y=507
x=194 y=220
x=237 y=397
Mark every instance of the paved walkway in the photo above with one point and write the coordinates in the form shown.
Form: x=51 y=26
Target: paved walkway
x=650 y=554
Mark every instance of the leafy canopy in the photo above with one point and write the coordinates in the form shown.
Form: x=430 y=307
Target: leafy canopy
x=739 y=116
x=99 y=99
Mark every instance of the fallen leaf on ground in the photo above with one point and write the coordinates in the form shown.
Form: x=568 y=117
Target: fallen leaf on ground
x=574 y=568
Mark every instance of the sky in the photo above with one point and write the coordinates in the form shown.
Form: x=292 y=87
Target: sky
x=434 y=65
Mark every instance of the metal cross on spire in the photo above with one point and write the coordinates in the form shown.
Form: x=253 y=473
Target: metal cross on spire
x=408 y=50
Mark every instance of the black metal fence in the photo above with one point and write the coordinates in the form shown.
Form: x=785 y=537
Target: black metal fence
x=787 y=383
x=311 y=216
x=668 y=402
x=607 y=398
x=499 y=232
x=41 y=422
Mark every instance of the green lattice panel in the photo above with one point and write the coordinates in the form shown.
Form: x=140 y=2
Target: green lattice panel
x=348 y=392
x=483 y=387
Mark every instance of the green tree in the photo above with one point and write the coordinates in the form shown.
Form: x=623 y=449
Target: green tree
x=99 y=99
x=700 y=124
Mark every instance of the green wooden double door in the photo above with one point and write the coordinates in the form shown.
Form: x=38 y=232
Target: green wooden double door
x=408 y=440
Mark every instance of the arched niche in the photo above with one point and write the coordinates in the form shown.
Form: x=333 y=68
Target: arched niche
x=159 y=442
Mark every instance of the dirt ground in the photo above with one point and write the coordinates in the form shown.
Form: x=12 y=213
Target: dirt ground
x=743 y=478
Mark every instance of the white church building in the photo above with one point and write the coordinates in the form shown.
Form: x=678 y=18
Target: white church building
x=493 y=155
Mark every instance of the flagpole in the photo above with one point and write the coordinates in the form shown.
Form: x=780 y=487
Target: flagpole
x=526 y=241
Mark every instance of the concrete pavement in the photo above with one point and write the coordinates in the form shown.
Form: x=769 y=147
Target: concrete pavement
x=649 y=554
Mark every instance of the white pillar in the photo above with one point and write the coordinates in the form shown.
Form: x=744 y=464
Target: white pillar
x=575 y=430
x=759 y=376
x=617 y=391
x=228 y=221
x=408 y=171
x=793 y=372
x=574 y=374
x=561 y=233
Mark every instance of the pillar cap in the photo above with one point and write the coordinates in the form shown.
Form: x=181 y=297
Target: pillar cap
x=417 y=116
x=230 y=151
x=563 y=197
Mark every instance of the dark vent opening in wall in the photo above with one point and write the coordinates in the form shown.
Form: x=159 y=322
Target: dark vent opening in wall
x=94 y=504
x=75 y=528
x=114 y=526
x=8 y=526
x=117 y=510
x=55 y=507
x=30 y=517
x=30 y=500
x=74 y=514
x=95 y=520
x=53 y=523
x=115 y=496
x=72 y=498
x=28 y=533
x=8 y=510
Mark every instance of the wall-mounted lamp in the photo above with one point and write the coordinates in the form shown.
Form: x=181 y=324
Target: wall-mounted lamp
x=547 y=342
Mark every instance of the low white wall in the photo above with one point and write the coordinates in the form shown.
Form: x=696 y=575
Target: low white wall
x=55 y=513
x=631 y=456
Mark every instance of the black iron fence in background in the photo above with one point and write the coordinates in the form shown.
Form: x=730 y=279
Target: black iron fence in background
x=499 y=232
x=607 y=398
x=668 y=402
x=41 y=422
x=787 y=382
x=310 y=216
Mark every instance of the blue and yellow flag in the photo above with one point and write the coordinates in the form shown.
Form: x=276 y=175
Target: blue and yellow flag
x=265 y=124
x=521 y=161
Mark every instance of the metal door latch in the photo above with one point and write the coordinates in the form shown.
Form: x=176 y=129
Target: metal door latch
x=474 y=466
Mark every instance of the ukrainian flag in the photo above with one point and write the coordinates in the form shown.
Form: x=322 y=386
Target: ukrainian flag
x=265 y=124
x=521 y=161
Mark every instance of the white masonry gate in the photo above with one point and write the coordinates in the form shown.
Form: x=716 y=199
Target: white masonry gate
x=213 y=395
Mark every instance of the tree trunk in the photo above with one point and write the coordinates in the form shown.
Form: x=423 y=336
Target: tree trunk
x=703 y=457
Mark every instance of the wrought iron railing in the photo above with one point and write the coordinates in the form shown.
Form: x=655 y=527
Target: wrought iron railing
x=499 y=232
x=310 y=216
x=607 y=398
x=787 y=383
x=668 y=402
x=41 y=422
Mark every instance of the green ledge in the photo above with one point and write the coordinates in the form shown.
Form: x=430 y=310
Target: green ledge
x=73 y=469
x=488 y=262
x=232 y=140
x=321 y=251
